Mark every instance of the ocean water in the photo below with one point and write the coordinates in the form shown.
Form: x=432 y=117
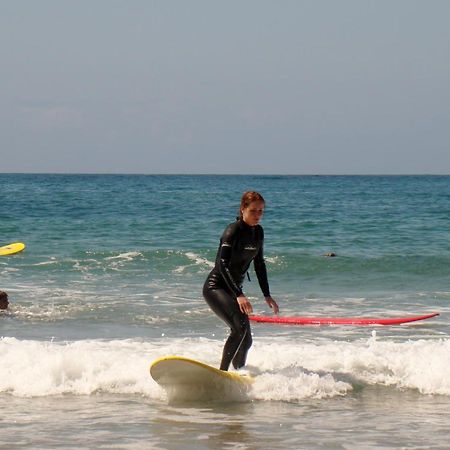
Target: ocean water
x=112 y=276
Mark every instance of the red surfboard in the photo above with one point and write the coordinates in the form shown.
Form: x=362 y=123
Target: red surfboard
x=340 y=320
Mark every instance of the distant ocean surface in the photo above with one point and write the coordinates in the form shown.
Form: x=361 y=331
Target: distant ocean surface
x=111 y=279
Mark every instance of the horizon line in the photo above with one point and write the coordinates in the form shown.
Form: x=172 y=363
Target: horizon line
x=231 y=174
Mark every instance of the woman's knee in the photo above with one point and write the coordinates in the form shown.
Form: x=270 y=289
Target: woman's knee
x=238 y=334
x=241 y=333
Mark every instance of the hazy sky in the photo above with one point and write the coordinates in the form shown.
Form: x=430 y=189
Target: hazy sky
x=206 y=86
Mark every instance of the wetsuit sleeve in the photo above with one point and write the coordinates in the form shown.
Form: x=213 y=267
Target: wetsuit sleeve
x=226 y=245
x=260 y=268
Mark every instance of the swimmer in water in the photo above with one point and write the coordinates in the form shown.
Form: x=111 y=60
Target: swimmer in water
x=4 y=300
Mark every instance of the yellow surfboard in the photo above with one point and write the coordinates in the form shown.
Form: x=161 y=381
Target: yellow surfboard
x=186 y=379
x=10 y=249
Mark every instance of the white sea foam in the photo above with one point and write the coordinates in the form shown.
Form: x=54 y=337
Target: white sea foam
x=128 y=256
x=46 y=263
x=273 y=259
x=33 y=368
x=284 y=370
x=10 y=269
x=197 y=260
x=119 y=261
x=423 y=364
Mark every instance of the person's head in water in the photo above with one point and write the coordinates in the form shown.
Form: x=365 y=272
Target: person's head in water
x=252 y=208
x=3 y=300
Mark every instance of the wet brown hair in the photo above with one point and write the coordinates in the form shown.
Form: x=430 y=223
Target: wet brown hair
x=3 y=300
x=249 y=197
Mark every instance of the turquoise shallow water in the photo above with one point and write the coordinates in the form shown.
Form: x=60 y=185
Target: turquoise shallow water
x=111 y=278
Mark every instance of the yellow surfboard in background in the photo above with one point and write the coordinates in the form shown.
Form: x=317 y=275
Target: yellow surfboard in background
x=10 y=249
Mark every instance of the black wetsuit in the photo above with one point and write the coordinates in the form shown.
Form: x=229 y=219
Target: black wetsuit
x=240 y=244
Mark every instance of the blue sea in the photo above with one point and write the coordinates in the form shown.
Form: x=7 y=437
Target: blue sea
x=111 y=279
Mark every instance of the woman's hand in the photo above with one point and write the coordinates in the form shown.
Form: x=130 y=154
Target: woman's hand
x=244 y=305
x=273 y=304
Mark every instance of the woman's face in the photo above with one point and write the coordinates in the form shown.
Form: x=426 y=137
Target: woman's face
x=253 y=212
